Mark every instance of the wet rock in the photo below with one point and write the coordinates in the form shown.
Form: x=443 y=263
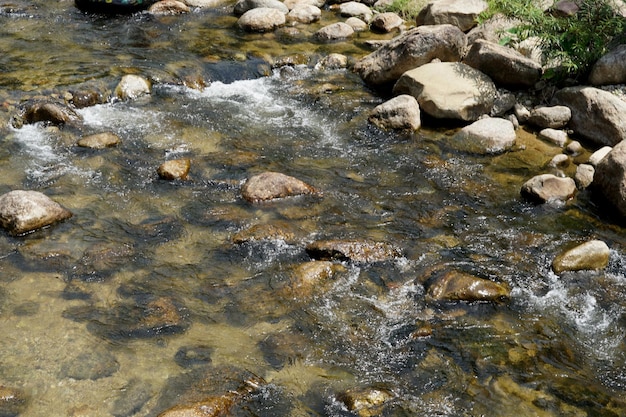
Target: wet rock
x=357 y=24
x=257 y=232
x=598 y=155
x=101 y=261
x=131 y=86
x=156 y=230
x=272 y=185
x=55 y=113
x=556 y=136
x=412 y=49
x=352 y=250
x=486 y=136
x=367 y=401
x=386 y=22
x=401 y=112
x=449 y=90
x=175 y=169
x=333 y=61
x=590 y=255
x=191 y=356
x=610 y=68
x=460 y=13
x=356 y=9
x=547 y=188
x=335 y=31
x=285 y=348
x=584 y=176
x=304 y=13
x=610 y=178
x=95 y=364
x=13 y=401
x=99 y=141
x=262 y=19
x=504 y=65
x=23 y=212
x=460 y=286
x=243 y=6
x=168 y=7
x=554 y=117
x=135 y=394
x=306 y=277
x=86 y=98
x=597 y=115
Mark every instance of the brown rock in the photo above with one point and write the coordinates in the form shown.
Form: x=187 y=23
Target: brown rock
x=357 y=251
x=308 y=276
x=365 y=402
x=271 y=185
x=176 y=169
x=48 y=111
x=164 y=7
x=547 y=187
x=99 y=140
x=12 y=401
x=454 y=286
x=590 y=255
x=22 y=212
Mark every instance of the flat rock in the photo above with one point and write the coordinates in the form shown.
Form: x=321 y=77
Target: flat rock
x=504 y=65
x=490 y=135
x=461 y=286
x=272 y=185
x=415 y=47
x=262 y=19
x=22 y=211
x=352 y=250
x=547 y=187
x=597 y=115
x=449 y=90
x=99 y=141
x=175 y=169
x=401 y=112
x=591 y=255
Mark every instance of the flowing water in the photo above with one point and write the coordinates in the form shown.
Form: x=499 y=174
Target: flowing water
x=79 y=336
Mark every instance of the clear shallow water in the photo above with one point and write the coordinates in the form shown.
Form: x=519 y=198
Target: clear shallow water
x=76 y=299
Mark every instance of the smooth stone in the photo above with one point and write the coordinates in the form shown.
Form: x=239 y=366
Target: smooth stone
x=591 y=255
x=272 y=185
x=175 y=169
x=556 y=136
x=546 y=188
x=22 y=211
x=401 y=112
x=131 y=87
x=489 y=135
x=461 y=286
x=335 y=31
x=554 y=117
x=262 y=19
x=168 y=7
x=353 y=250
x=598 y=155
x=99 y=141
x=584 y=176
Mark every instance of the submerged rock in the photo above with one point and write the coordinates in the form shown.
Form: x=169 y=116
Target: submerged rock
x=449 y=90
x=272 y=185
x=352 y=250
x=23 y=212
x=547 y=187
x=94 y=364
x=306 y=277
x=401 y=112
x=13 y=401
x=99 y=140
x=590 y=255
x=175 y=169
x=412 y=49
x=367 y=401
x=460 y=286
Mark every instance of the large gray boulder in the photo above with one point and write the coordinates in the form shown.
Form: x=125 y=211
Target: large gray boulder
x=610 y=69
x=486 y=136
x=504 y=65
x=23 y=212
x=412 y=49
x=460 y=13
x=449 y=90
x=597 y=115
x=610 y=177
x=401 y=112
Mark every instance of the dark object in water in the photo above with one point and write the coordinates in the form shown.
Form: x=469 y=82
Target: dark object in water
x=113 y=6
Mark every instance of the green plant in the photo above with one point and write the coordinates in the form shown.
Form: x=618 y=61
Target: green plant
x=407 y=9
x=572 y=44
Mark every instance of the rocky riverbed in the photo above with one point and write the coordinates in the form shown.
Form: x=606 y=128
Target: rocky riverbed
x=368 y=217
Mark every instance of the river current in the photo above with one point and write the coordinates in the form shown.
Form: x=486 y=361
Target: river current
x=71 y=295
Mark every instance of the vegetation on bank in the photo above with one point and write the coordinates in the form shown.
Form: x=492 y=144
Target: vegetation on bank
x=570 y=44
